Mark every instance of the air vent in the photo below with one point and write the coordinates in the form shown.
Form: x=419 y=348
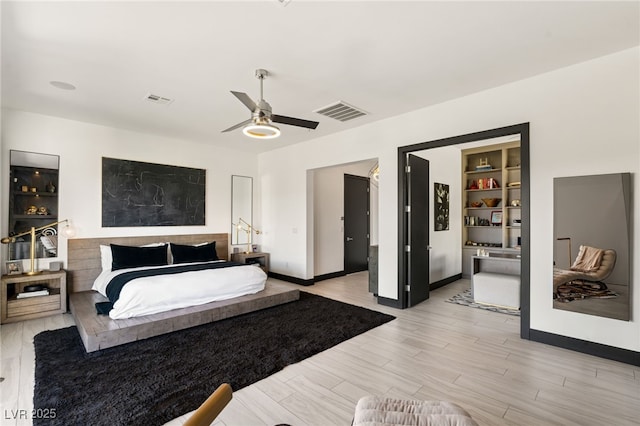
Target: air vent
x=341 y=111
x=161 y=100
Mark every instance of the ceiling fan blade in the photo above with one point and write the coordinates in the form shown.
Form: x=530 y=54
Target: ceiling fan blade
x=244 y=123
x=294 y=121
x=246 y=100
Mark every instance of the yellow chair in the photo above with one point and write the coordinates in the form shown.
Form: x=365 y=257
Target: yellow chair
x=211 y=408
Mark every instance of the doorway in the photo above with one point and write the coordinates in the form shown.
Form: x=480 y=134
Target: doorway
x=404 y=206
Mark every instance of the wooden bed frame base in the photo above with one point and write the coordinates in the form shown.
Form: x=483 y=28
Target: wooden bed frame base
x=100 y=331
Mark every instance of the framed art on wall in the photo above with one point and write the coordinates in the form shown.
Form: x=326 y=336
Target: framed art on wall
x=146 y=194
x=441 y=206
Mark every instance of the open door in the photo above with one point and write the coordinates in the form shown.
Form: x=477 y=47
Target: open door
x=418 y=229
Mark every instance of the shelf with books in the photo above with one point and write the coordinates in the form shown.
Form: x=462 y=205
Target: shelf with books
x=504 y=162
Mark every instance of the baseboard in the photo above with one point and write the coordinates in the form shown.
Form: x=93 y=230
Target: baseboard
x=300 y=281
x=445 y=281
x=329 y=276
x=591 y=348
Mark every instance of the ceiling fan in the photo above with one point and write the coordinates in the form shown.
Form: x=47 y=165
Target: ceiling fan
x=259 y=125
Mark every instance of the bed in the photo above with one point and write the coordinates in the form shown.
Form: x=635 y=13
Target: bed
x=101 y=331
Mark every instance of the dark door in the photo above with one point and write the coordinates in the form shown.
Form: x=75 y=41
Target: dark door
x=418 y=232
x=356 y=223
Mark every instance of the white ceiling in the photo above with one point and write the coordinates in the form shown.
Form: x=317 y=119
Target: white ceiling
x=385 y=57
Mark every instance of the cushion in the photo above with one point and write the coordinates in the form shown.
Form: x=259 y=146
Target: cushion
x=199 y=253
x=135 y=257
x=588 y=259
x=378 y=411
x=106 y=259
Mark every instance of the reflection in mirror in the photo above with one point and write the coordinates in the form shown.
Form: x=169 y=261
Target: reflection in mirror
x=33 y=202
x=241 y=208
x=592 y=225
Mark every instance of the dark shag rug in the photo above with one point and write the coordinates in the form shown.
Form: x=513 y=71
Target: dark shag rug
x=466 y=299
x=152 y=381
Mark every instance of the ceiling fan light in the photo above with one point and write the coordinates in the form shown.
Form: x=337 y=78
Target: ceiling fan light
x=261 y=131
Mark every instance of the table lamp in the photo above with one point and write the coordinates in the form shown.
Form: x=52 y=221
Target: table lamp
x=246 y=227
x=33 y=232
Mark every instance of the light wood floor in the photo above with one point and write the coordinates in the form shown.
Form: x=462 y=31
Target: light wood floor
x=437 y=351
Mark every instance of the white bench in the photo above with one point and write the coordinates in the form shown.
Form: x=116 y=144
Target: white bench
x=496 y=289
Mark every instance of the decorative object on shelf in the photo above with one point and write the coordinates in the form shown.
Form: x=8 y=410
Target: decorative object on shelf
x=515 y=203
x=482 y=252
x=496 y=217
x=14 y=267
x=441 y=206
x=513 y=184
x=34 y=287
x=476 y=204
x=242 y=225
x=25 y=188
x=42 y=210
x=491 y=202
x=34 y=189
x=51 y=187
x=31 y=210
x=484 y=164
x=33 y=232
x=473 y=185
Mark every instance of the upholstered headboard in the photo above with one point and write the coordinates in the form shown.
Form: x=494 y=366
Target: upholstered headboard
x=84 y=266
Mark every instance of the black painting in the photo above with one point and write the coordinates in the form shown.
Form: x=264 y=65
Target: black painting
x=441 y=206
x=147 y=194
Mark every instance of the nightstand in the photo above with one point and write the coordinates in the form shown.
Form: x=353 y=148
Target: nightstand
x=261 y=259
x=13 y=308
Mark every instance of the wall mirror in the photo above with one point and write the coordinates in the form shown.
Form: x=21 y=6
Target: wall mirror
x=33 y=202
x=241 y=208
x=592 y=225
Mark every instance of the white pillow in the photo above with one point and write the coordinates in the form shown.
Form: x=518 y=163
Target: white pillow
x=106 y=258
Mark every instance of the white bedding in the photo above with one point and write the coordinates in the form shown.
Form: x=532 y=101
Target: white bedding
x=151 y=295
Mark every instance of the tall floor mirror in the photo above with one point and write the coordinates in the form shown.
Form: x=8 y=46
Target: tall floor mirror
x=241 y=209
x=592 y=228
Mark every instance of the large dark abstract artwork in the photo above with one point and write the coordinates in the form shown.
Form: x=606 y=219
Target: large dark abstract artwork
x=146 y=194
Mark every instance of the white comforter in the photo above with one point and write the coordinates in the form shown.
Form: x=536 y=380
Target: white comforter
x=150 y=295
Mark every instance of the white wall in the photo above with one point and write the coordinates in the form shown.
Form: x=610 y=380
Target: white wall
x=328 y=209
x=81 y=147
x=445 y=257
x=585 y=119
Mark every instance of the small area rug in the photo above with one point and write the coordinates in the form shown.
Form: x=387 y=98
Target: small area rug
x=465 y=299
x=152 y=381
x=578 y=290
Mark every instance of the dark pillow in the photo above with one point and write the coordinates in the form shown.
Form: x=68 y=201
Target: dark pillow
x=187 y=254
x=134 y=257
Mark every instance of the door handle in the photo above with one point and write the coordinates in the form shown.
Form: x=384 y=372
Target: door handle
x=349 y=239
